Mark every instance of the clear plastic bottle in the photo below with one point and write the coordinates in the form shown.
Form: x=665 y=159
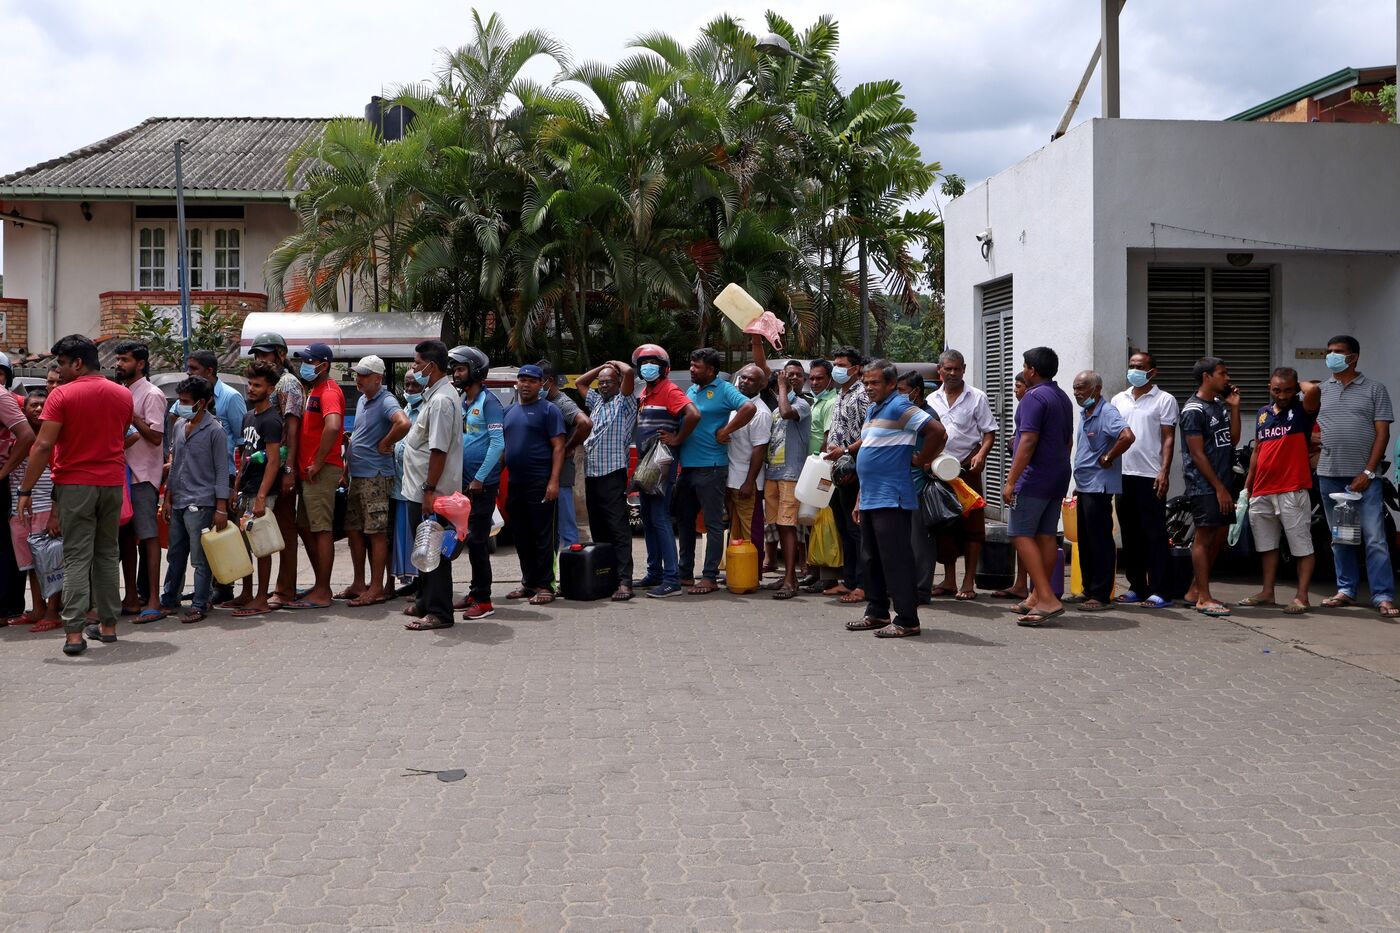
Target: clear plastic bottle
x=1346 y=518
x=427 y=545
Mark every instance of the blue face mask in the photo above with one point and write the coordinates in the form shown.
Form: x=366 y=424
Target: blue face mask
x=413 y=397
x=308 y=372
x=1336 y=362
x=1088 y=402
x=651 y=372
x=840 y=375
x=184 y=411
x=1137 y=378
x=420 y=377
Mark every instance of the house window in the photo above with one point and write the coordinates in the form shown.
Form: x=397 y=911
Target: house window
x=150 y=258
x=1196 y=311
x=228 y=260
x=215 y=256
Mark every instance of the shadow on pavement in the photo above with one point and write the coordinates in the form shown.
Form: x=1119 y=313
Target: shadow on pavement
x=1091 y=622
x=479 y=633
x=123 y=652
x=939 y=636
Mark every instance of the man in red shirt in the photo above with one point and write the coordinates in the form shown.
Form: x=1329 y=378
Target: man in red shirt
x=320 y=465
x=84 y=428
x=1280 y=481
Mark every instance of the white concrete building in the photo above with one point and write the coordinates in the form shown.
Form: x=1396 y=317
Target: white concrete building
x=1254 y=242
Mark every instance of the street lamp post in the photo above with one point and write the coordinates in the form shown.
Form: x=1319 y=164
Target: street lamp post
x=774 y=44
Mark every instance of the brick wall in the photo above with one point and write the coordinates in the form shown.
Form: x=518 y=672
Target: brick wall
x=16 y=315
x=118 y=308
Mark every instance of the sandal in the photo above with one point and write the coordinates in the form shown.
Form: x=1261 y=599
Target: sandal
x=1387 y=610
x=623 y=594
x=703 y=588
x=785 y=592
x=1214 y=610
x=867 y=624
x=245 y=612
x=1251 y=601
x=361 y=601
x=194 y=615
x=965 y=595
x=1022 y=608
x=542 y=598
x=1008 y=594
x=24 y=618
x=1296 y=608
x=1036 y=617
x=523 y=592
x=345 y=595
x=1092 y=605
x=838 y=589
x=898 y=631
x=46 y=625
x=1129 y=598
x=149 y=615
x=428 y=624
x=411 y=610
x=1340 y=601
x=856 y=595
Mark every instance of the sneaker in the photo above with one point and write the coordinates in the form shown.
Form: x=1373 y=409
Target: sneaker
x=478 y=610
x=664 y=590
x=646 y=583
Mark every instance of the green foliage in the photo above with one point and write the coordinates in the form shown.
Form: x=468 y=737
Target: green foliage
x=1384 y=98
x=609 y=206
x=215 y=329
x=915 y=337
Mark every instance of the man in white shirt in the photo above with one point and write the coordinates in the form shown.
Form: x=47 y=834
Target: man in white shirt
x=1152 y=416
x=748 y=452
x=972 y=430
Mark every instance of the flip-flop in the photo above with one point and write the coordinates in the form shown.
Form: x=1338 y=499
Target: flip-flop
x=1036 y=618
x=275 y=602
x=898 y=631
x=1022 y=608
x=1295 y=608
x=523 y=592
x=345 y=595
x=1215 y=611
x=542 y=598
x=303 y=604
x=46 y=625
x=1340 y=601
x=150 y=615
x=361 y=601
x=1007 y=594
x=193 y=616
x=965 y=596
x=1388 y=612
x=703 y=589
x=854 y=596
x=785 y=592
x=1128 y=599
x=1156 y=602
x=1092 y=607
x=427 y=624
x=245 y=612
x=621 y=596
x=1251 y=601
x=24 y=619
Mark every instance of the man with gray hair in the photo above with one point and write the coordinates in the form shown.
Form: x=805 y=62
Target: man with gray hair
x=972 y=430
x=1100 y=440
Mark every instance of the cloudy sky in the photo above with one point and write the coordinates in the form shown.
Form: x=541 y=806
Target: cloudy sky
x=988 y=78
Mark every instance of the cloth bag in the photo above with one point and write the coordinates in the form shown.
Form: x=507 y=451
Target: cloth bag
x=824 y=548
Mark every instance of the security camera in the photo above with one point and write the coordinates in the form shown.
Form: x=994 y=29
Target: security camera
x=985 y=236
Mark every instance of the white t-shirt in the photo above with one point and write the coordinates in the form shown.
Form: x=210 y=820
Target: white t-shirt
x=966 y=420
x=1146 y=417
x=742 y=442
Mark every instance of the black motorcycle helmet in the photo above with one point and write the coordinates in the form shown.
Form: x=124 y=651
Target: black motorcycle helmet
x=477 y=363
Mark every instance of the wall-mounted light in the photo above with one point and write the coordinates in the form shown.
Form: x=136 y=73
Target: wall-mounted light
x=86 y=208
x=1239 y=260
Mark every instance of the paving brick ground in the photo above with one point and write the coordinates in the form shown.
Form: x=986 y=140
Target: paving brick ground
x=720 y=763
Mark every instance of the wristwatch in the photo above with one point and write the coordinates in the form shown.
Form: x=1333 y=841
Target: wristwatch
x=427 y=487
x=287 y=470
x=1370 y=474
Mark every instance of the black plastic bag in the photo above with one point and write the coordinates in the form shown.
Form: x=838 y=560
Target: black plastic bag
x=939 y=506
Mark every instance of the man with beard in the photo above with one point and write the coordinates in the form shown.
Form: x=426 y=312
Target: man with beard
x=145 y=459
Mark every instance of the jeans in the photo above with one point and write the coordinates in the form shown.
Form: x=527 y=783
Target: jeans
x=568 y=518
x=1379 y=573
x=701 y=490
x=606 y=498
x=889 y=573
x=90 y=518
x=434 y=596
x=534 y=523
x=185 y=546
x=1142 y=521
x=479 y=541
x=1096 y=549
x=660 y=538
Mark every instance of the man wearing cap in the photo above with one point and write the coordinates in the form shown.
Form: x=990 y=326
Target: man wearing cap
x=320 y=465
x=534 y=432
x=16 y=436
x=379 y=423
x=290 y=400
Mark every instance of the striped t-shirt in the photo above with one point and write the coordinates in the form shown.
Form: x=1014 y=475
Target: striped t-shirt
x=1348 y=422
x=887 y=444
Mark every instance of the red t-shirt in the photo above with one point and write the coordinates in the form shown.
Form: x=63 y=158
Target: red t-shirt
x=94 y=414
x=1281 y=449
x=321 y=400
x=659 y=410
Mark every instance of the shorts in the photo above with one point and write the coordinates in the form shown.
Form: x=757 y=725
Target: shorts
x=1032 y=516
x=367 y=506
x=243 y=505
x=1205 y=512
x=316 y=509
x=1288 y=512
x=145 y=502
x=19 y=537
x=780 y=502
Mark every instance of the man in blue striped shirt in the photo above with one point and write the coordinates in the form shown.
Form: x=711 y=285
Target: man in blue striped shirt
x=613 y=408
x=895 y=436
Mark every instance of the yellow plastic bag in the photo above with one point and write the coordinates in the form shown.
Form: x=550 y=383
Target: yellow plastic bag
x=969 y=498
x=824 y=548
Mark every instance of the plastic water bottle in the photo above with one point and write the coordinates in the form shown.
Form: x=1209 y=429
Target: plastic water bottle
x=427 y=545
x=1346 y=518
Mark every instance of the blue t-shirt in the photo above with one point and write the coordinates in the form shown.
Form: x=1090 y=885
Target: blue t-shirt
x=715 y=401
x=373 y=419
x=888 y=442
x=483 y=439
x=528 y=428
x=1046 y=411
x=1098 y=431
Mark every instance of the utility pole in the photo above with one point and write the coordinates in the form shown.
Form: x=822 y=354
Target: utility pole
x=182 y=245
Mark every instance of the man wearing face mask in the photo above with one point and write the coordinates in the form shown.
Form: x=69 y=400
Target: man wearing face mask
x=613 y=408
x=847 y=420
x=196 y=494
x=1355 y=421
x=290 y=401
x=666 y=413
x=483 y=443
x=320 y=466
x=1100 y=440
x=1152 y=414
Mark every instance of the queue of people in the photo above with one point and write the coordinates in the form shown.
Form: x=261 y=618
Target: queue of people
x=88 y=462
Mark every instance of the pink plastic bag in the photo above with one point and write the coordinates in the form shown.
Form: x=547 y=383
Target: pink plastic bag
x=456 y=508
x=126 y=511
x=766 y=325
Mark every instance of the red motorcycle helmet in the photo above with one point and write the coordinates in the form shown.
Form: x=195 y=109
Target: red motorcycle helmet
x=650 y=351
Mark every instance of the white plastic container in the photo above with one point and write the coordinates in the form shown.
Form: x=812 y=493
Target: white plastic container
x=738 y=305
x=227 y=553
x=814 y=484
x=264 y=537
x=427 y=545
x=946 y=467
x=807 y=514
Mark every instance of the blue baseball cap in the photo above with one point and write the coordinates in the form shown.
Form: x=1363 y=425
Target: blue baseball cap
x=315 y=351
x=532 y=371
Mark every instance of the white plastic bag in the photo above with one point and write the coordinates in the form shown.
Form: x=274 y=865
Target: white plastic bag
x=498 y=521
x=48 y=562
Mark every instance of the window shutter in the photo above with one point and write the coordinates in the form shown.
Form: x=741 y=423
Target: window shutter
x=997 y=382
x=1176 y=326
x=1241 y=334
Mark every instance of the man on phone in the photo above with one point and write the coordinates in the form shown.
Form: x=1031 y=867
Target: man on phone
x=1210 y=429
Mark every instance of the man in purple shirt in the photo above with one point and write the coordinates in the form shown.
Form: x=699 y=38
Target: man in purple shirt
x=1038 y=480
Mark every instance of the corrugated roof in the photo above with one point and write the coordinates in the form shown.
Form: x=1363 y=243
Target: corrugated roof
x=228 y=156
x=1337 y=80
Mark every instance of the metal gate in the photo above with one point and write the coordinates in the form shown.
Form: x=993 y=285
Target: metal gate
x=997 y=380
